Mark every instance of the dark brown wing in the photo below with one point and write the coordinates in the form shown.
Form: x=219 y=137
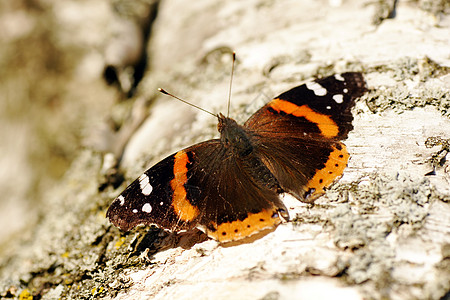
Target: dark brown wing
x=203 y=186
x=299 y=132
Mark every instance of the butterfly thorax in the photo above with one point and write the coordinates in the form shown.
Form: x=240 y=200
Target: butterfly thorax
x=234 y=135
x=237 y=138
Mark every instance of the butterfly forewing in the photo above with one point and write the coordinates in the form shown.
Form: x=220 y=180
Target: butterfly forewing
x=148 y=200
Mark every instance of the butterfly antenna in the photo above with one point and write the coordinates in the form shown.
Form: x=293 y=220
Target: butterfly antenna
x=231 y=81
x=184 y=101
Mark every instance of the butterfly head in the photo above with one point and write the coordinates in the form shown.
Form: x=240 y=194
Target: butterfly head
x=234 y=135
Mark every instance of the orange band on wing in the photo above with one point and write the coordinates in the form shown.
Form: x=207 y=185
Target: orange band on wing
x=326 y=125
x=238 y=229
x=334 y=167
x=183 y=208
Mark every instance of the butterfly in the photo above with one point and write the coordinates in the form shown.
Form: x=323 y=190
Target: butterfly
x=230 y=187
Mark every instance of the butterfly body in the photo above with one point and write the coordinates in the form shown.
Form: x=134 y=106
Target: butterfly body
x=241 y=143
x=229 y=187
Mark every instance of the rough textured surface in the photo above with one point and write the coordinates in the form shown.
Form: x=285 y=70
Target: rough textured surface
x=382 y=231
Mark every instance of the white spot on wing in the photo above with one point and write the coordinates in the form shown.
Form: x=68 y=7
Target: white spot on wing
x=328 y=107
x=161 y=203
x=339 y=77
x=316 y=88
x=346 y=91
x=121 y=199
x=147 y=208
x=134 y=210
x=144 y=183
x=338 y=98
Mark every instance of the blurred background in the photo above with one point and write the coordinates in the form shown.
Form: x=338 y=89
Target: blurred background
x=51 y=89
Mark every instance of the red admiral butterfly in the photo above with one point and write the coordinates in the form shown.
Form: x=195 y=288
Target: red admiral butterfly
x=229 y=187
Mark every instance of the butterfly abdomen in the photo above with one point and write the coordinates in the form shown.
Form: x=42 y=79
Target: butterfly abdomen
x=261 y=174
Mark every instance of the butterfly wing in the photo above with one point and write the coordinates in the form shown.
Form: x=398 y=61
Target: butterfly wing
x=204 y=186
x=299 y=132
x=147 y=200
